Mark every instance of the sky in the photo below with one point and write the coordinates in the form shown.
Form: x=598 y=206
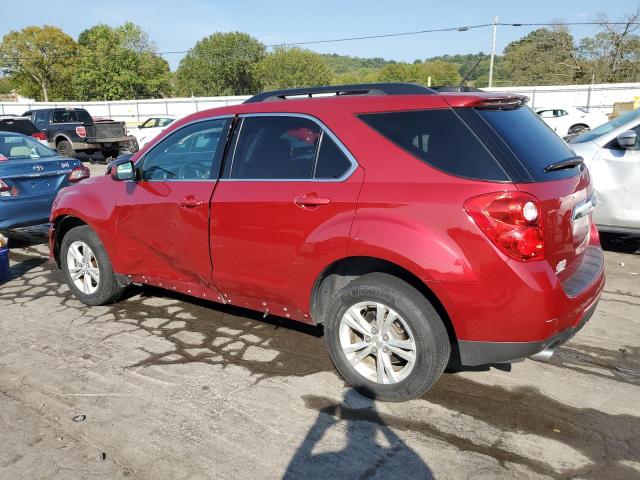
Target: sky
x=179 y=24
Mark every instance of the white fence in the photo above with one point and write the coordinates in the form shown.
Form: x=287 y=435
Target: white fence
x=599 y=96
x=130 y=111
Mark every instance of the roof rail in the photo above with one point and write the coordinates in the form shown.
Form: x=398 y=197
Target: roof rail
x=339 y=90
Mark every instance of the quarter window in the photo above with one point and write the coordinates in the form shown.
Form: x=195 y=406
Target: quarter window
x=191 y=153
x=332 y=162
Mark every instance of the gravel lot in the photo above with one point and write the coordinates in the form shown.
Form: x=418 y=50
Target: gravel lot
x=171 y=387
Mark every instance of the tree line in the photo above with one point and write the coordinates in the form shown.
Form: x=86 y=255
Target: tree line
x=113 y=63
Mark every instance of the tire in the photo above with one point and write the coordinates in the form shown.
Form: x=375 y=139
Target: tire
x=65 y=149
x=113 y=153
x=576 y=130
x=427 y=334
x=107 y=289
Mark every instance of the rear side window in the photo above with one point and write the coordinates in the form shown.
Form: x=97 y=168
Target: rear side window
x=534 y=144
x=83 y=116
x=64 y=116
x=439 y=138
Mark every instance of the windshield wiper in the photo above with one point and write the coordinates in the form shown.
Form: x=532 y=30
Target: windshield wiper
x=566 y=163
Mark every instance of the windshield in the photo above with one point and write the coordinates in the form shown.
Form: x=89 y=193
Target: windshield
x=22 y=147
x=608 y=127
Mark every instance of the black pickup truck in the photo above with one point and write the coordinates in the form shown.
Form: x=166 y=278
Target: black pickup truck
x=72 y=130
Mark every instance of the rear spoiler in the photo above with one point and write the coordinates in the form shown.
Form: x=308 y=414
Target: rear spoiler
x=487 y=100
x=509 y=102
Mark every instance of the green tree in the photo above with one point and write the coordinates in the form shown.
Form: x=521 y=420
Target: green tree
x=544 y=57
x=613 y=54
x=118 y=63
x=441 y=73
x=292 y=67
x=221 y=64
x=39 y=61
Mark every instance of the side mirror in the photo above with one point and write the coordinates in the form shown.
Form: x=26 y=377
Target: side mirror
x=627 y=139
x=123 y=171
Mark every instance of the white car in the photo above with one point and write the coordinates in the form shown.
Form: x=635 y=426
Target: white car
x=151 y=127
x=612 y=154
x=571 y=121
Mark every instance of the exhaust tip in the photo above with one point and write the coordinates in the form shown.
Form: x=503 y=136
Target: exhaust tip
x=543 y=356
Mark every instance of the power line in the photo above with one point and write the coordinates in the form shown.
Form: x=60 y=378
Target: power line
x=433 y=30
x=403 y=34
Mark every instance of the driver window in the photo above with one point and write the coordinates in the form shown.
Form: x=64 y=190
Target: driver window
x=149 y=123
x=190 y=153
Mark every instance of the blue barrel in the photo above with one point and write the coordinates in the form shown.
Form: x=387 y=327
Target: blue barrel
x=5 y=273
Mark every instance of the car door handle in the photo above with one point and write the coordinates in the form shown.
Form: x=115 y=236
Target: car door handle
x=310 y=200
x=190 y=202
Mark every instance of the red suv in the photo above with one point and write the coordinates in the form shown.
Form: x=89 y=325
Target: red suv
x=418 y=228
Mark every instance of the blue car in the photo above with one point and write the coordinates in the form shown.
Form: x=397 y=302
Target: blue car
x=30 y=177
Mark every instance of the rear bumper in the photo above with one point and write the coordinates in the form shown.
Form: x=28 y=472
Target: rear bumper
x=483 y=353
x=15 y=212
x=98 y=143
x=522 y=308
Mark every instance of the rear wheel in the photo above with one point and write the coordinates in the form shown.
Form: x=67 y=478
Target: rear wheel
x=87 y=268
x=65 y=149
x=385 y=338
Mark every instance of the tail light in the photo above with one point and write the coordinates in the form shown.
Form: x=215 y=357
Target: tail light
x=511 y=220
x=81 y=131
x=5 y=191
x=79 y=173
x=39 y=135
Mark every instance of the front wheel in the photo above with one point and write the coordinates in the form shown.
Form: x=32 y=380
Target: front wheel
x=87 y=268
x=385 y=338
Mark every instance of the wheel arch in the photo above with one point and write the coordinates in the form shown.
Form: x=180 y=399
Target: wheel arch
x=341 y=272
x=62 y=225
x=61 y=137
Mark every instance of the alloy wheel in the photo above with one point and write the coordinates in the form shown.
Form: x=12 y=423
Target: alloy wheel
x=82 y=266
x=377 y=342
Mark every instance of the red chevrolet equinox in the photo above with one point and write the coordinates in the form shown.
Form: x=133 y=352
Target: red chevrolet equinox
x=418 y=228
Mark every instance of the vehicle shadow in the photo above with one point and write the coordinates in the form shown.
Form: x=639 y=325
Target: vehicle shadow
x=369 y=441
x=620 y=243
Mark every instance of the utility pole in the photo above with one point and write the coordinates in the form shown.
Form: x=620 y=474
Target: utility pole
x=493 y=50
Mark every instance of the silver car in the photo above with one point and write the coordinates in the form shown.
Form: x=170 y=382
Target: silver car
x=612 y=154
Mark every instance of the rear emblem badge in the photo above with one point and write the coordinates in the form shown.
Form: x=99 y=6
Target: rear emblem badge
x=562 y=264
x=38 y=168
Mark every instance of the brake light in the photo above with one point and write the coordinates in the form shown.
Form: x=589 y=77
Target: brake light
x=81 y=131
x=79 y=173
x=7 y=191
x=511 y=220
x=39 y=135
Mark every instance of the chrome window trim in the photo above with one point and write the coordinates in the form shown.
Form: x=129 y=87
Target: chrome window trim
x=323 y=128
x=143 y=157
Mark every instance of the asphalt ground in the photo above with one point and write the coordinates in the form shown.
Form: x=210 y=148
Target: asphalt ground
x=165 y=386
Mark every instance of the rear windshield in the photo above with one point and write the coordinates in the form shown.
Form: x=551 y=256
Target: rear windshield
x=19 y=147
x=18 y=125
x=534 y=144
x=441 y=139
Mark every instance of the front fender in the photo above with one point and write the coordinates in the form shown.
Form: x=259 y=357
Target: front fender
x=92 y=201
